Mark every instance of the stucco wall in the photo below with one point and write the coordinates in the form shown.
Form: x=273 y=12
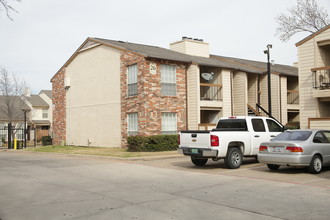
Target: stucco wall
x=93 y=99
x=50 y=103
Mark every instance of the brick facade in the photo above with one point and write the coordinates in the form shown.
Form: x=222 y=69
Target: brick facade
x=59 y=108
x=149 y=103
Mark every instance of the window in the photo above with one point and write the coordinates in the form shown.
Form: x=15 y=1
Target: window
x=327 y=135
x=320 y=138
x=132 y=80
x=273 y=126
x=2 y=125
x=232 y=125
x=258 y=125
x=169 y=123
x=168 y=80
x=132 y=121
x=44 y=113
x=19 y=133
x=293 y=135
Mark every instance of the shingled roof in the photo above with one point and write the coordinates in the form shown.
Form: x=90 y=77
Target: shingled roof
x=261 y=67
x=249 y=66
x=47 y=92
x=36 y=100
x=17 y=105
x=148 y=51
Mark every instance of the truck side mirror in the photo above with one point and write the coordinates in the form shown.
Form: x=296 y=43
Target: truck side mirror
x=284 y=128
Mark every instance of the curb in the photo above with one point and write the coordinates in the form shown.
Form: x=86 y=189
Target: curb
x=144 y=158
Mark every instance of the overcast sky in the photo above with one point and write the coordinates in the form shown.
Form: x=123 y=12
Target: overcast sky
x=45 y=33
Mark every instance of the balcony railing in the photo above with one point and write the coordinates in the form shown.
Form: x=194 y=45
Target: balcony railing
x=210 y=92
x=321 y=77
x=293 y=97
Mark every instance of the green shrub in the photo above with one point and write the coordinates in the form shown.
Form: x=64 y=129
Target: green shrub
x=46 y=140
x=293 y=125
x=152 y=143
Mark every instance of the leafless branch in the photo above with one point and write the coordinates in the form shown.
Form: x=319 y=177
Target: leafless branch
x=8 y=8
x=306 y=16
x=11 y=90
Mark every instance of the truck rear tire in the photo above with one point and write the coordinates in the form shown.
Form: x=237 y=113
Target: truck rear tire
x=233 y=159
x=200 y=162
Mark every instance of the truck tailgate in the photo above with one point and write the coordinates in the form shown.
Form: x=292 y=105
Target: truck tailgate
x=195 y=139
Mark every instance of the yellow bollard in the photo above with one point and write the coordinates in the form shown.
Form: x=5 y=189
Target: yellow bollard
x=15 y=144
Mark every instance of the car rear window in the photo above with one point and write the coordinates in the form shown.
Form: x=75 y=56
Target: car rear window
x=232 y=125
x=293 y=135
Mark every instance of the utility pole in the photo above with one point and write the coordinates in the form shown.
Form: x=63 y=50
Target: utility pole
x=269 y=46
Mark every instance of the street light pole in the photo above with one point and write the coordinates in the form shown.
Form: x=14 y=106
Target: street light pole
x=269 y=81
x=25 y=129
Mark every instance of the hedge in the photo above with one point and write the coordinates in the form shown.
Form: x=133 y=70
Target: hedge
x=46 y=140
x=293 y=125
x=152 y=143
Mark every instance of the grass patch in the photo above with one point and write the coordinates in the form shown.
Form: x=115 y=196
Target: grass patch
x=99 y=151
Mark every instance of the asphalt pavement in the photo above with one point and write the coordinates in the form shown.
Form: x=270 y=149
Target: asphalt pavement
x=48 y=186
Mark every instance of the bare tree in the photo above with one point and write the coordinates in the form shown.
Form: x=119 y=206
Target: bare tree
x=306 y=16
x=11 y=91
x=7 y=7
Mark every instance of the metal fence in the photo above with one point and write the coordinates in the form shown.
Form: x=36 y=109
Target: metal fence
x=17 y=136
x=33 y=137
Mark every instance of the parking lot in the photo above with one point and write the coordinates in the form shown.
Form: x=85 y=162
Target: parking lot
x=250 y=169
x=47 y=186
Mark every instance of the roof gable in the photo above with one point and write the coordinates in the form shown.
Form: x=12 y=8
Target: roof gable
x=312 y=36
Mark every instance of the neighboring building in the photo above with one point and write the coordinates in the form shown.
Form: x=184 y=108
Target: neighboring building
x=109 y=90
x=40 y=116
x=314 y=79
x=12 y=110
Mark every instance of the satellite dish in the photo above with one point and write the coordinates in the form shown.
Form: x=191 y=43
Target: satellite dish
x=207 y=76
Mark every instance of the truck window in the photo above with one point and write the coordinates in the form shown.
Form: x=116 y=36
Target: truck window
x=258 y=125
x=273 y=126
x=232 y=125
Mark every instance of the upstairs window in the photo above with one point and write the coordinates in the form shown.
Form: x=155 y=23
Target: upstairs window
x=132 y=80
x=132 y=124
x=169 y=123
x=44 y=113
x=168 y=80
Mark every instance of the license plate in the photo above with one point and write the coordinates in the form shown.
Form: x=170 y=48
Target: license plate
x=277 y=149
x=194 y=151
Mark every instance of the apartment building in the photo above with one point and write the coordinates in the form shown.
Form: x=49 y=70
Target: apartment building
x=314 y=79
x=108 y=90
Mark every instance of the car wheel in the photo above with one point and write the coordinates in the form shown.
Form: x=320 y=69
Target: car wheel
x=233 y=159
x=315 y=166
x=199 y=161
x=273 y=166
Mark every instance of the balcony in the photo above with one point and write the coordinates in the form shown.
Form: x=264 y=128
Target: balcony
x=293 y=97
x=321 y=82
x=211 y=92
x=211 y=95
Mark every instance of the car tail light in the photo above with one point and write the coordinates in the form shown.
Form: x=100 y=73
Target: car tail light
x=263 y=148
x=214 y=141
x=178 y=139
x=294 y=149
